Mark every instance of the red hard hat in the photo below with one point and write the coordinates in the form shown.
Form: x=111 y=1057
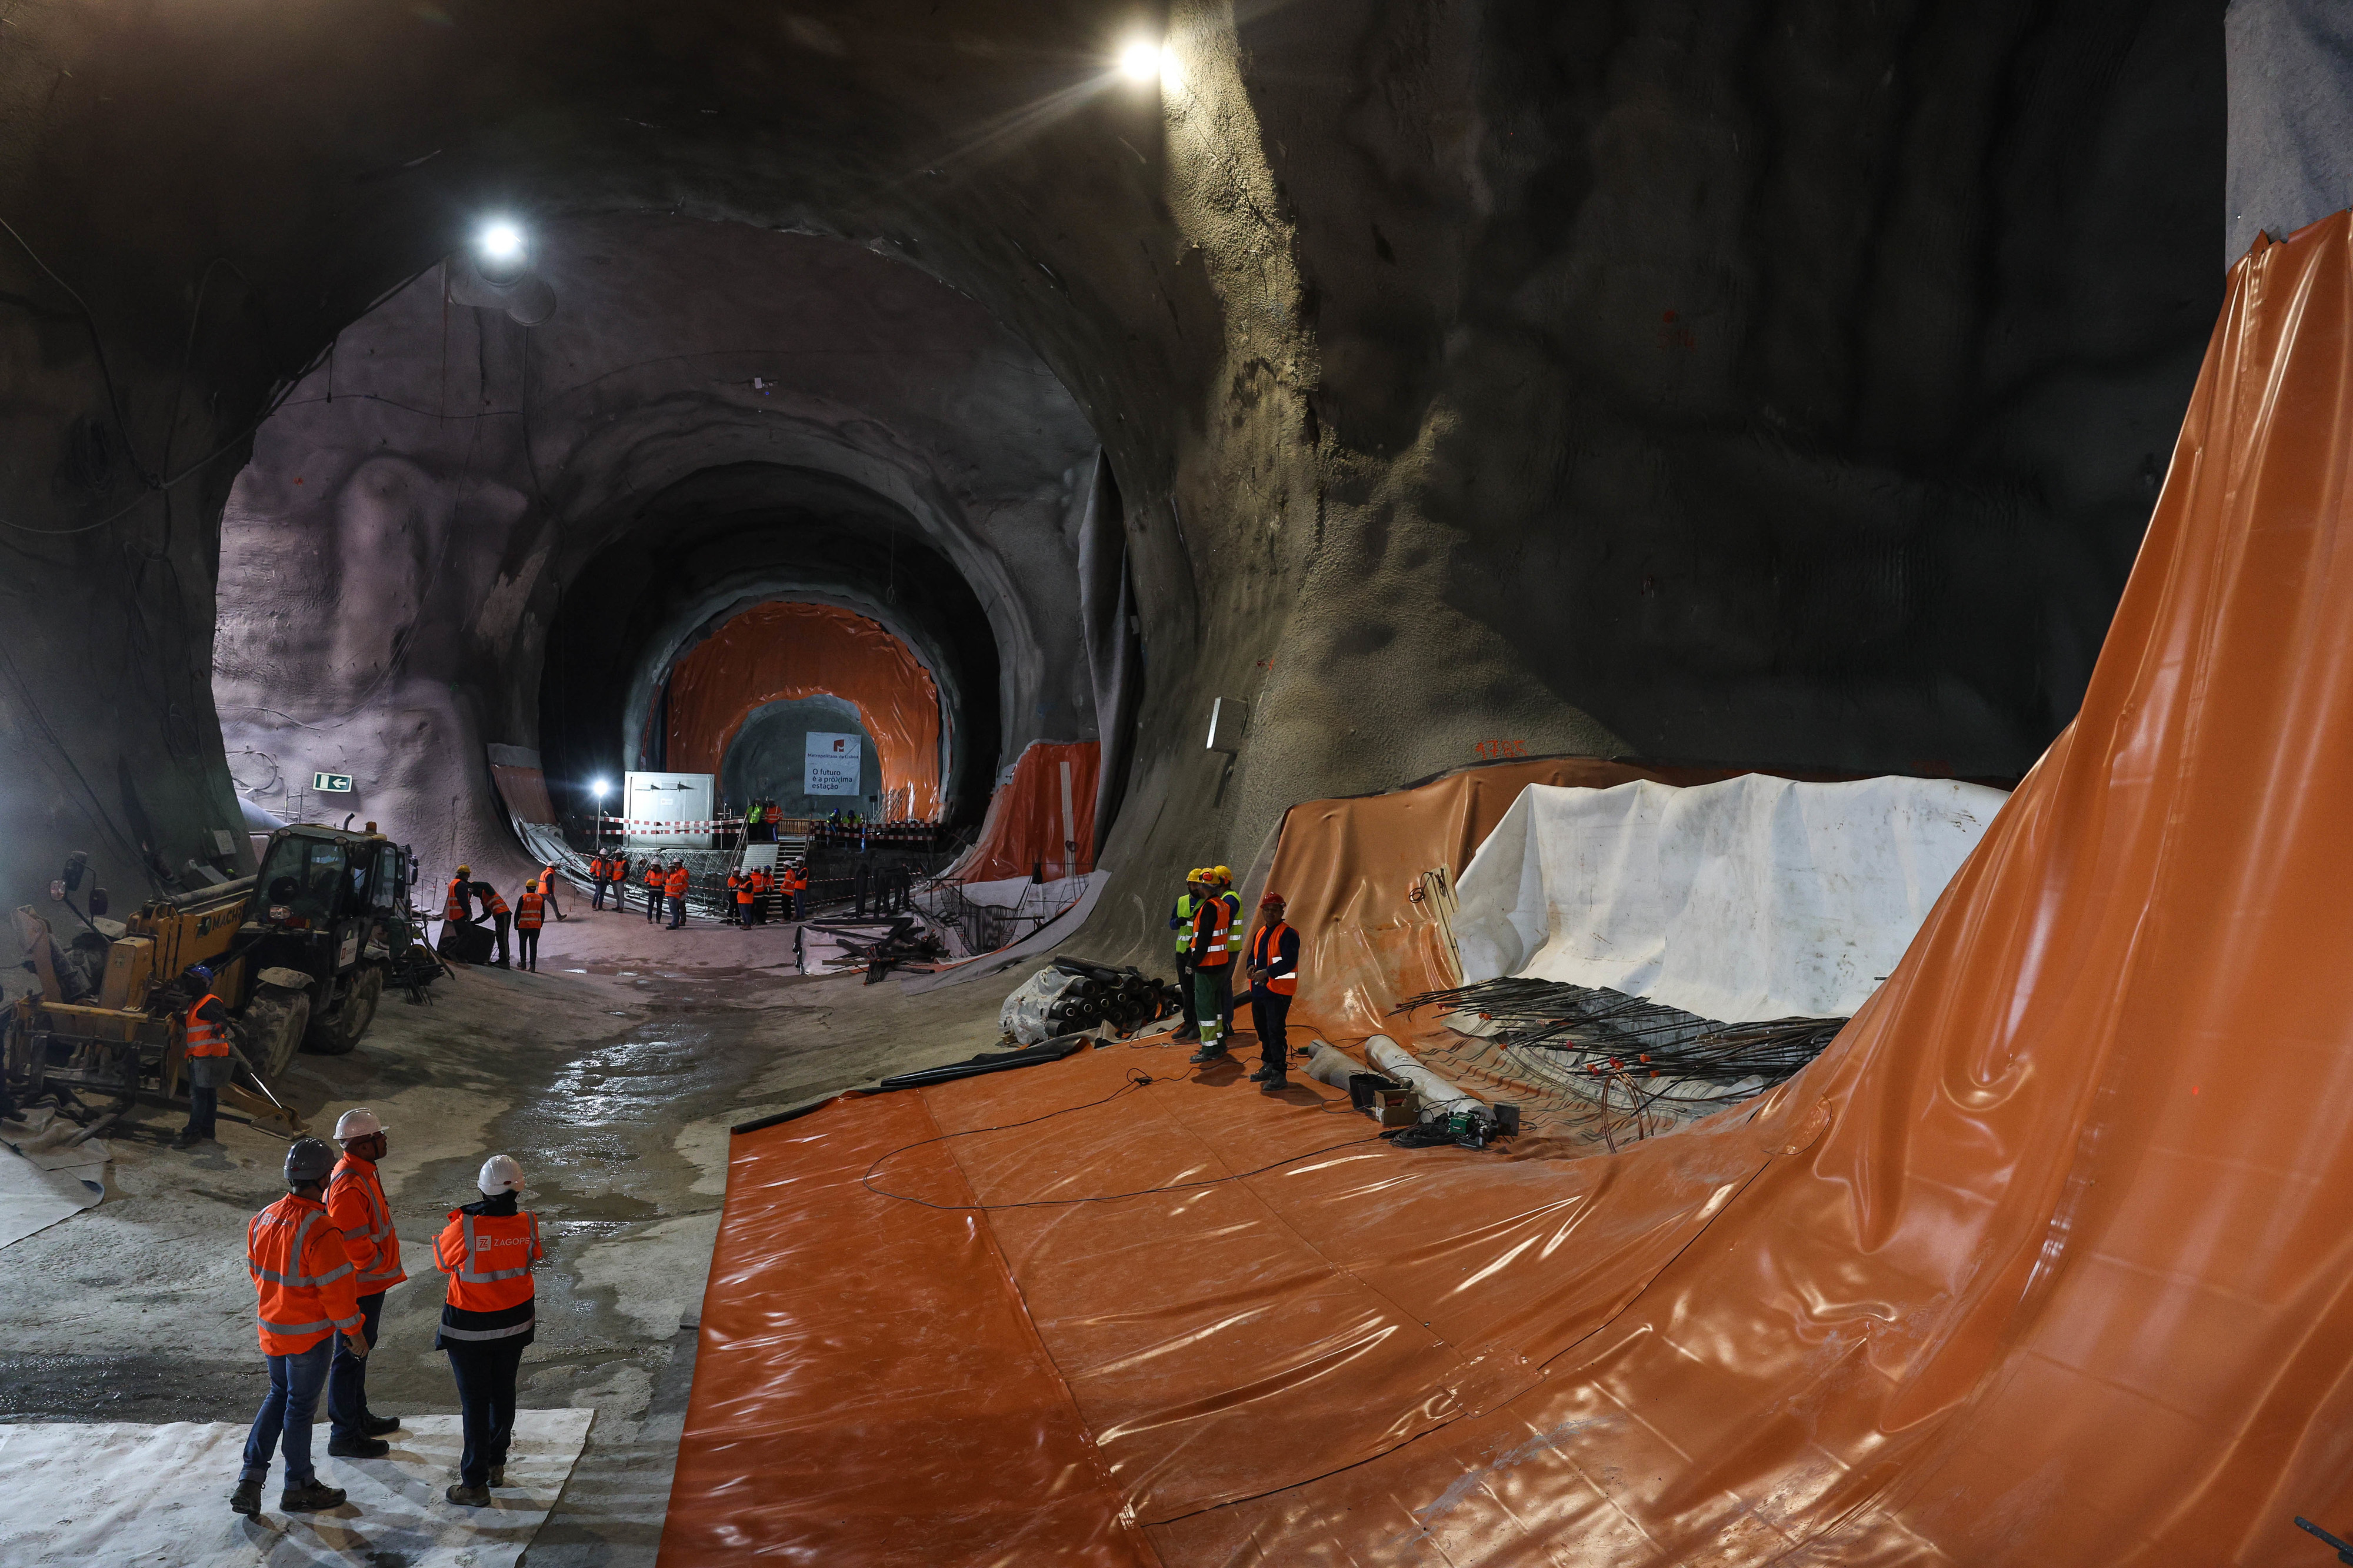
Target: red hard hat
x=1273 y=900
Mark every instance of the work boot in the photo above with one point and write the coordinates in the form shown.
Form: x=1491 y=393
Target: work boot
x=1185 y=1034
x=246 y=1499
x=1262 y=1075
x=186 y=1139
x=1274 y=1085
x=378 y=1425
x=341 y=1447
x=310 y=1497
x=497 y=1475
x=465 y=1496
x=1210 y=1054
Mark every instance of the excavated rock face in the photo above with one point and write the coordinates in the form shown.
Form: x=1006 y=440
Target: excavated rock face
x=501 y=534
x=1747 y=383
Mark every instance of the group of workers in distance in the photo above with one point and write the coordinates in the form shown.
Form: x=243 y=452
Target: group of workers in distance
x=321 y=1258
x=529 y=913
x=747 y=890
x=1207 y=921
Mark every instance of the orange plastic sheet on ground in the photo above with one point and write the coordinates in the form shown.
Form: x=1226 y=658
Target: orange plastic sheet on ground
x=2047 y=1260
x=1041 y=820
x=784 y=650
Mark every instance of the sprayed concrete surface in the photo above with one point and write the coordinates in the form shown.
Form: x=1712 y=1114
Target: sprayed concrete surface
x=613 y=1074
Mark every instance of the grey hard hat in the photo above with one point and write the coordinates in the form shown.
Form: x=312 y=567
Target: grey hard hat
x=308 y=1160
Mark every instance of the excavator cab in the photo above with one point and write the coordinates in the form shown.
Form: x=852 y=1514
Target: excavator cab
x=331 y=905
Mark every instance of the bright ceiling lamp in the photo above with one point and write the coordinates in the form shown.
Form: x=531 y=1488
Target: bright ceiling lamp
x=1143 y=60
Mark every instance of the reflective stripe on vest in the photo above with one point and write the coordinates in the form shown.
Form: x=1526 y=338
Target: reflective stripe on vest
x=379 y=1216
x=204 y=1037
x=1186 y=906
x=453 y=907
x=471 y=1276
x=1233 y=921
x=1266 y=951
x=1215 y=916
x=474 y=1288
x=675 y=883
x=509 y=1331
x=294 y=1255
x=529 y=912
x=493 y=905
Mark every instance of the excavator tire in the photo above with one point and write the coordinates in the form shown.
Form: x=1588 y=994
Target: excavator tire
x=274 y=1023
x=339 y=1031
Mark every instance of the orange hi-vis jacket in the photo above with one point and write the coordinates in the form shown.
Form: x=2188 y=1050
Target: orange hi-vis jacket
x=1266 y=952
x=531 y=911
x=1211 y=922
x=204 y=1037
x=302 y=1278
x=762 y=882
x=745 y=887
x=454 y=906
x=355 y=1202
x=546 y=875
x=597 y=869
x=488 y=1259
x=654 y=875
x=675 y=883
x=493 y=904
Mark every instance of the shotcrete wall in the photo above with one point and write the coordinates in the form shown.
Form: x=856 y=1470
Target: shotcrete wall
x=1748 y=382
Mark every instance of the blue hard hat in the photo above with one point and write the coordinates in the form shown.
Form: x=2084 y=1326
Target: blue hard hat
x=202 y=972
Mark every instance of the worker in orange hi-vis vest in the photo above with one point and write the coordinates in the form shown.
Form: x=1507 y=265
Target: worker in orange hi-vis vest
x=747 y=887
x=1271 y=965
x=305 y=1294
x=617 y=871
x=355 y=1202
x=531 y=913
x=209 y=1062
x=456 y=909
x=501 y=919
x=763 y=880
x=674 y=886
x=548 y=882
x=599 y=873
x=487 y=1249
x=656 y=875
x=1210 y=959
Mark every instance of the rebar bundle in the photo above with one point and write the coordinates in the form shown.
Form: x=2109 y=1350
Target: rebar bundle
x=1629 y=1054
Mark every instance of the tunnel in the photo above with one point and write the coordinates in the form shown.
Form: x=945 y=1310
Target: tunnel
x=1046 y=472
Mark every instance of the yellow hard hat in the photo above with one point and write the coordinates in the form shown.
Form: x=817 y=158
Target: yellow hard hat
x=465 y=871
x=1222 y=873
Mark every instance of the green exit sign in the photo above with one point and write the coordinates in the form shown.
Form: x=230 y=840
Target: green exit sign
x=331 y=783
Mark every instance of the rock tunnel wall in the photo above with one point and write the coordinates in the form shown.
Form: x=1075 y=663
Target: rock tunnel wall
x=1751 y=384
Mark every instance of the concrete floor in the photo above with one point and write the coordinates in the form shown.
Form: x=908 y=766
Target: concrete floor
x=613 y=1074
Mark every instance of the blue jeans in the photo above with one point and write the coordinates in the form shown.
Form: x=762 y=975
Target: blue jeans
x=295 y=1382
x=204 y=1104
x=347 y=1376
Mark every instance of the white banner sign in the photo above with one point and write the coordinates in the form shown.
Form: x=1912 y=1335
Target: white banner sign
x=830 y=764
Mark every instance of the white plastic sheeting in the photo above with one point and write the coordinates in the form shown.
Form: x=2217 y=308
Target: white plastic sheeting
x=131 y=1496
x=1025 y=1013
x=1755 y=898
x=33 y=1199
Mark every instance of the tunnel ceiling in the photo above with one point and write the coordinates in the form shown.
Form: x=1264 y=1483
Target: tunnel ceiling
x=1754 y=383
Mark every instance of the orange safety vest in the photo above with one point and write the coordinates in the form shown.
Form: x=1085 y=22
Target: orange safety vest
x=355 y=1202
x=597 y=869
x=493 y=904
x=529 y=911
x=675 y=883
x=617 y=868
x=760 y=881
x=488 y=1257
x=205 y=1038
x=1216 y=917
x=546 y=875
x=654 y=875
x=453 y=907
x=1266 y=948
x=302 y=1278
x=744 y=887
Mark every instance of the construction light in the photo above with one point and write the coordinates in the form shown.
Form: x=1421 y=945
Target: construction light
x=501 y=241
x=1143 y=60
x=599 y=788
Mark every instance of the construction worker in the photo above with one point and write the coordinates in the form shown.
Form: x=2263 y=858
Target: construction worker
x=548 y=882
x=1271 y=966
x=531 y=913
x=757 y=911
x=501 y=918
x=1221 y=883
x=1210 y=958
x=456 y=909
x=747 y=887
x=674 y=886
x=356 y=1207
x=655 y=877
x=304 y=1295
x=736 y=879
x=598 y=881
x=617 y=873
x=800 y=889
x=487 y=1249
x=1180 y=920
x=206 y=1027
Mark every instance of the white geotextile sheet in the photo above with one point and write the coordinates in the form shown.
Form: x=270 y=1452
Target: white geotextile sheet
x=132 y=1496
x=33 y=1199
x=1755 y=898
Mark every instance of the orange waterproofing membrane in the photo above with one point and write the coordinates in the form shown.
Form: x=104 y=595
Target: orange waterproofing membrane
x=1027 y=827
x=2047 y=1260
x=779 y=651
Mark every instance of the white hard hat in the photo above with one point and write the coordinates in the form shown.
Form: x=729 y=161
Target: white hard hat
x=356 y=1124
x=500 y=1173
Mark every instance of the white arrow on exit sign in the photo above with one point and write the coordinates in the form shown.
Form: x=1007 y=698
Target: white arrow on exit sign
x=331 y=783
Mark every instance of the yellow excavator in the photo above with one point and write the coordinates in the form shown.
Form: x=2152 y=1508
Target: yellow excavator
x=298 y=953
